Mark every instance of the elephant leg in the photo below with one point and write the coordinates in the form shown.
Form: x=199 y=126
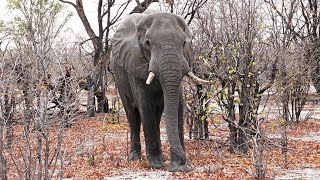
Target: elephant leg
x=159 y=111
x=135 y=145
x=134 y=124
x=151 y=130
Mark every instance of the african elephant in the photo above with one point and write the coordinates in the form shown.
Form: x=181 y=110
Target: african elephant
x=151 y=53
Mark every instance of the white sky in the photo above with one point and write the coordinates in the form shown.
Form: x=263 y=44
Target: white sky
x=2 y=7
x=90 y=7
x=75 y=24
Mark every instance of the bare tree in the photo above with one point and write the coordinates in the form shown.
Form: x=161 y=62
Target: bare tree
x=230 y=49
x=6 y=113
x=291 y=35
x=301 y=20
x=107 y=17
x=33 y=39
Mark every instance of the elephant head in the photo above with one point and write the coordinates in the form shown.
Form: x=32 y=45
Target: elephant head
x=165 y=42
x=166 y=36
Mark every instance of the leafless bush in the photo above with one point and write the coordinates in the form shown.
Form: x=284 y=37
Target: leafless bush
x=32 y=55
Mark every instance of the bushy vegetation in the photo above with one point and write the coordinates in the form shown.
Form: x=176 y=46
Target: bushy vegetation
x=256 y=54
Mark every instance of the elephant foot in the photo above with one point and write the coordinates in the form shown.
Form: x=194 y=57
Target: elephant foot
x=176 y=167
x=135 y=156
x=156 y=162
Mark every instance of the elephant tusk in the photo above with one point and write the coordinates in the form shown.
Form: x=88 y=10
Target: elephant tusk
x=197 y=80
x=150 y=78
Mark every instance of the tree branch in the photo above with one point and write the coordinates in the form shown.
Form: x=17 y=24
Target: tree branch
x=138 y=3
x=143 y=6
x=67 y=2
x=273 y=77
x=288 y=24
x=79 y=8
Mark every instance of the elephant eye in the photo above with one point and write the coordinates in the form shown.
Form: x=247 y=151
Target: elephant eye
x=147 y=43
x=184 y=43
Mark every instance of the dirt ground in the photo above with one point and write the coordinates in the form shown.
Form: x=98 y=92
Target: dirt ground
x=96 y=148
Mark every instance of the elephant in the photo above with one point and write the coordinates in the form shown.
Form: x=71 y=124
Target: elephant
x=151 y=53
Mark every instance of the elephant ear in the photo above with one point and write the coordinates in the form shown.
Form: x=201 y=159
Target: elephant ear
x=188 y=51
x=144 y=24
x=126 y=52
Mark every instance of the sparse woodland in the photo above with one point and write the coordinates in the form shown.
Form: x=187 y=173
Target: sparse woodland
x=61 y=116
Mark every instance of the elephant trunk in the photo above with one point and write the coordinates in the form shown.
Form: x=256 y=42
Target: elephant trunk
x=170 y=79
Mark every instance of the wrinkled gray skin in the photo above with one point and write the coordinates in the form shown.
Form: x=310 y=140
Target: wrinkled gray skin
x=159 y=43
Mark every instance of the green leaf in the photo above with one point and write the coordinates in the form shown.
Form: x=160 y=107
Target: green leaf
x=237 y=100
x=232 y=71
x=208 y=110
x=282 y=121
x=216 y=120
x=250 y=74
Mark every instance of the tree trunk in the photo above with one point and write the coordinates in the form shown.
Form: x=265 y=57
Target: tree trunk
x=3 y=162
x=3 y=165
x=315 y=71
x=313 y=56
x=232 y=127
x=206 y=129
x=103 y=105
x=200 y=129
x=245 y=119
x=8 y=115
x=91 y=98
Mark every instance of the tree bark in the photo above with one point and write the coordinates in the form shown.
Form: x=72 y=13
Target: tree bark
x=91 y=98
